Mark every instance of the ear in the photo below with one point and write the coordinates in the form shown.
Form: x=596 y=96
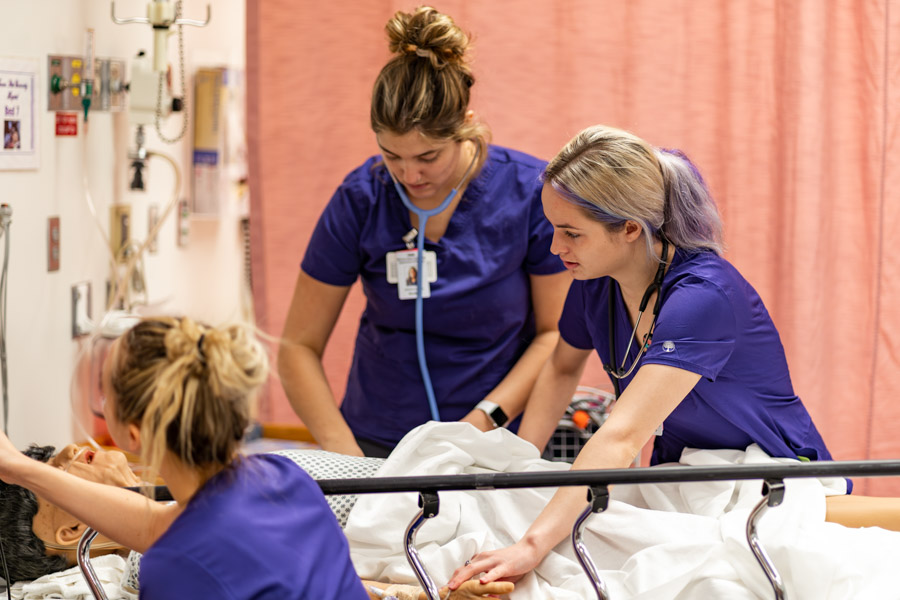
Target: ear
x=70 y=533
x=632 y=230
x=134 y=438
x=470 y=116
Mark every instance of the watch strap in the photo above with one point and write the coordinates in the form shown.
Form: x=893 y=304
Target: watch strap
x=494 y=412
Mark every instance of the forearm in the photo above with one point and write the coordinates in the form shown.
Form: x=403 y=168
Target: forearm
x=128 y=518
x=308 y=392
x=513 y=391
x=550 y=396
x=557 y=519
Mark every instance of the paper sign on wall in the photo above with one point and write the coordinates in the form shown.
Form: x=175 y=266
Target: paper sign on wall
x=18 y=102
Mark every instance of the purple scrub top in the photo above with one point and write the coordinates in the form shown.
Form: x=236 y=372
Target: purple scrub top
x=713 y=323
x=478 y=320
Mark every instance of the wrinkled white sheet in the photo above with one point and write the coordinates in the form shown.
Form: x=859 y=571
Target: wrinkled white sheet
x=71 y=585
x=683 y=541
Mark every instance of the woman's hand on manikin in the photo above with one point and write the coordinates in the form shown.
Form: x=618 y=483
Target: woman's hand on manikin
x=507 y=564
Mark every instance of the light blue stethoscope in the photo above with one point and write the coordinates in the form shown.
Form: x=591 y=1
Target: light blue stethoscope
x=420 y=243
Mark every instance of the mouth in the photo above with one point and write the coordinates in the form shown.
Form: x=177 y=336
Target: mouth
x=418 y=187
x=569 y=265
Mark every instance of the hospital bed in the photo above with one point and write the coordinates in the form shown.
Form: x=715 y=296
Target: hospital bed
x=429 y=489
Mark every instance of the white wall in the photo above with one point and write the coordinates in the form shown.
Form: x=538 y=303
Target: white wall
x=202 y=279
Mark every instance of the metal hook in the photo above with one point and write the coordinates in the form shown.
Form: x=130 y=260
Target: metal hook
x=430 y=504
x=598 y=498
x=84 y=563
x=773 y=495
x=146 y=20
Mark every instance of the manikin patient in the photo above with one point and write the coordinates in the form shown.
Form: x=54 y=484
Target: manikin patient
x=177 y=393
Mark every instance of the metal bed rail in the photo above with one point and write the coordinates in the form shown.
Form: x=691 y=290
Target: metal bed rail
x=598 y=481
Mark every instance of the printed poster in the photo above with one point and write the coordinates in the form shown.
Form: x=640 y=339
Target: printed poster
x=18 y=98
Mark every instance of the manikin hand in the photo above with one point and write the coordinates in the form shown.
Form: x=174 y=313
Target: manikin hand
x=472 y=589
x=468 y=590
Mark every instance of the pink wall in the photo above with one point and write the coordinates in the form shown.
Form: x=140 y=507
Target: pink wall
x=789 y=109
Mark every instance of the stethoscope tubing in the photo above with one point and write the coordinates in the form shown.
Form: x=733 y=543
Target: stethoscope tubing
x=423 y=215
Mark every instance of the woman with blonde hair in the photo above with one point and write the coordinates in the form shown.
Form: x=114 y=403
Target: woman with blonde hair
x=693 y=354
x=491 y=290
x=178 y=394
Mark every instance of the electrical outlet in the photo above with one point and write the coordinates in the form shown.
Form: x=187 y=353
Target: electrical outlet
x=53 y=244
x=81 y=309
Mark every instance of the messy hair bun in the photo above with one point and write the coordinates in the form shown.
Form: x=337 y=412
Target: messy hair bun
x=188 y=386
x=426 y=33
x=426 y=85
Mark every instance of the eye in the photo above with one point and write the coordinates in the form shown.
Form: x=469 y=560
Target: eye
x=429 y=159
x=571 y=235
x=390 y=158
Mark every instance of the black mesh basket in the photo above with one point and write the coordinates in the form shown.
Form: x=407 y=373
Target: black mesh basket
x=585 y=414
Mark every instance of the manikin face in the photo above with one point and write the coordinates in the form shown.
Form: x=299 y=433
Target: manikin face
x=55 y=526
x=587 y=247
x=426 y=168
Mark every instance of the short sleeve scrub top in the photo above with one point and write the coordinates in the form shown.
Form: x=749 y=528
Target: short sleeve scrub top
x=478 y=319
x=713 y=323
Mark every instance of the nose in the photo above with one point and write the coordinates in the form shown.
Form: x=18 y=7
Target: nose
x=556 y=244
x=67 y=454
x=410 y=174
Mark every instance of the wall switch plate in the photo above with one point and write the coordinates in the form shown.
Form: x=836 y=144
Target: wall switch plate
x=81 y=309
x=119 y=227
x=152 y=221
x=53 y=244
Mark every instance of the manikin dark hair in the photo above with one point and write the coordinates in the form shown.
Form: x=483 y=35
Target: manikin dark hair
x=26 y=556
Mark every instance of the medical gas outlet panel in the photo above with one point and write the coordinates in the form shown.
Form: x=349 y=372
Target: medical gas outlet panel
x=66 y=85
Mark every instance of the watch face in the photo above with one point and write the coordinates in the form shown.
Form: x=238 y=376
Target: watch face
x=498 y=416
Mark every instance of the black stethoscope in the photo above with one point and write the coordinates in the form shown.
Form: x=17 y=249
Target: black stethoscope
x=617 y=373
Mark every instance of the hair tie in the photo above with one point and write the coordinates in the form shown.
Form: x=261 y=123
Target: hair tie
x=200 y=348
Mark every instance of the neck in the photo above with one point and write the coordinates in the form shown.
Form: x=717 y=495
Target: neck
x=182 y=480
x=642 y=271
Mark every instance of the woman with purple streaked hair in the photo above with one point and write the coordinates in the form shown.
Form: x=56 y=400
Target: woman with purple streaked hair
x=692 y=353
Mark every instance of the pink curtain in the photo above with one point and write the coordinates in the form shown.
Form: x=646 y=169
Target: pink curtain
x=789 y=109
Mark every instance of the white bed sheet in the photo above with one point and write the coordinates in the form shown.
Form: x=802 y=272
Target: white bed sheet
x=671 y=541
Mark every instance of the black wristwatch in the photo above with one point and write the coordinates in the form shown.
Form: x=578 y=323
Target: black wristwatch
x=494 y=412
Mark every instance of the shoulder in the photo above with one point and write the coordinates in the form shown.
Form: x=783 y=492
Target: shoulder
x=510 y=174
x=504 y=164
x=697 y=271
x=366 y=182
x=706 y=286
x=515 y=159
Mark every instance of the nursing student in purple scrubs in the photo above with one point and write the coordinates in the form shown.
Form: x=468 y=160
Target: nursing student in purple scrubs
x=685 y=338
x=492 y=291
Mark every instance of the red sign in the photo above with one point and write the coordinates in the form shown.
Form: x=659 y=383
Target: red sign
x=66 y=123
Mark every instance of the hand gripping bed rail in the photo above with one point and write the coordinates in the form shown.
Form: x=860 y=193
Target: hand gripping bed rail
x=773 y=495
x=432 y=484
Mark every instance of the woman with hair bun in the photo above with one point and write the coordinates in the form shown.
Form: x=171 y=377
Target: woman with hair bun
x=178 y=394
x=492 y=291
x=244 y=527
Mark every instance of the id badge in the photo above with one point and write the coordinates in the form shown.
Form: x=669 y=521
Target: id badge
x=402 y=270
